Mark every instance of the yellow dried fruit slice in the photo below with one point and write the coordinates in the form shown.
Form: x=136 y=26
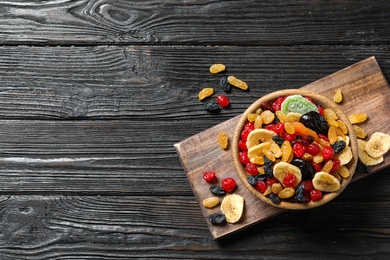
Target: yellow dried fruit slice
x=360 y=132
x=282 y=168
x=211 y=202
x=237 y=83
x=258 y=136
x=256 y=153
x=217 y=68
x=378 y=144
x=232 y=206
x=364 y=157
x=326 y=182
x=223 y=140
x=338 y=96
x=204 y=93
x=358 y=118
x=345 y=156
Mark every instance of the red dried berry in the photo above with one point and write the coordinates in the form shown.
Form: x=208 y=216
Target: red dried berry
x=242 y=145
x=261 y=186
x=336 y=165
x=307 y=185
x=223 y=101
x=243 y=156
x=210 y=176
x=288 y=137
x=316 y=166
x=251 y=169
x=245 y=133
x=270 y=127
x=298 y=149
x=279 y=127
x=315 y=195
x=271 y=181
x=327 y=152
x=320 y=110
x=313 y=149
x=228 y=184
x=276 y=106
x=324 y=137
x=289 y=180
x=267 y=106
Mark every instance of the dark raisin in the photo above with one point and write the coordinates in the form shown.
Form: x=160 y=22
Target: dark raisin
x=299 y=195
x=361 y=168
x=315 y=121
x=267 y=161
x=260 y=177
x=252 y=180
x=212 y=107
x=274 y=198
x=339 y=146
x=306 y=168
x=278 y=139
x=217 y=190
x=225 y=85
x=217 y=218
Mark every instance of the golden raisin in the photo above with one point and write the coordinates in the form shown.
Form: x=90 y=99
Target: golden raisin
x=211 y=202
x=286 y=193
x=286 y=151
x=267 y=117
x=338 y=96
x=251 y=117
x=258 y=122
x=343 y=127
x=329 y=114
x=276 y=188
x=318 y=158
x=237 y=83
x=204 y=93
x=332 y=135
x=360 y=132
x=217 y=68
x=223 y=140
x=281 y=116
x=327 y=166
x=289 y=128
x=307 y=157
x=357 y=118
x=343 y=171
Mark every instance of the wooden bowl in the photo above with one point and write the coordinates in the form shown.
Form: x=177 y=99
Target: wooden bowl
x=319 y=99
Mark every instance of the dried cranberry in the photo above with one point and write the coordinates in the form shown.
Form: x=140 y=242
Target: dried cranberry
x=320 y=110
x=336 y=165
x=288 y=137
x=245 y=133
x=271 y=181
x=242 y=145
x=228 y=184
x=315 y=195
x=243 y=156
x=251 y=169
x=316 y=166
x=267 y=106
x=307 y=139
x=277 y=104
x=279 y=127
x=270 y=127
x=261 y=186
x=313 y=149
x=323 y=137
x=289 y=180
x=327 y=152
x=298 y=149
x=223 y=101
x=210 y=176
x=307 y=185
x=249 y=125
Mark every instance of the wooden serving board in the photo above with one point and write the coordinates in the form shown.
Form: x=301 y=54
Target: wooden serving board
x=365 y=90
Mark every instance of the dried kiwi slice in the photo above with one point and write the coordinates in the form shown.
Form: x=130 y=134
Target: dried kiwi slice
x=297 y=104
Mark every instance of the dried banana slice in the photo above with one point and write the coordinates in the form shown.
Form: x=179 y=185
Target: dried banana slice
x=364 y=157
x=232 y=206
x=345 y=156
x=282 y=168
x=326 y=182
x=378 y=144
x=258 y=136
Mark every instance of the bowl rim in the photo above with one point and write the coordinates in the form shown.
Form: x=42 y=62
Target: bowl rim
x=319 y=99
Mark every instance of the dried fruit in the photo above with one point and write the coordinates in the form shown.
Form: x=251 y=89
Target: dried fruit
x=225 y=85
x=343 y=171
x=286 y=151
x=228 y=184
x=306 y=168
x=364 y=157
x=267 y=117
x=217 y=190
x=258 y=136
x=378 y=144
x=360 y=132
x=315 y=195
x=297 y=104
x=315 y=121
x=286 y=193
x=289 y=180
x=326 y=182
x=209 y=176
x=232 y=206
x=276 y=188
x=338 y=96
x=204 y=93
x=274 y=198
x=237 y=83
x=357 y=118
x=217 y=68
x=212 y=107
x=282 y=168
x=223 y=101
x=223 y=140
x=217 y=218
x=339 y=146
x=211 y=202
x=345 y=156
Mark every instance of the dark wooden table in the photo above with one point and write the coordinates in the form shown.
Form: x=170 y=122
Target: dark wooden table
x=94 y=94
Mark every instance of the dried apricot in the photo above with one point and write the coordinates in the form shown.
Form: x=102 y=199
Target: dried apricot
x=223 y=140
x=217 y=68
x=237 y=83
x=204 y=93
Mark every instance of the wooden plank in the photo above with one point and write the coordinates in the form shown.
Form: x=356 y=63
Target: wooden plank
x=253 y=23
x=114 y=227
x=110 y=82
x=364 y=87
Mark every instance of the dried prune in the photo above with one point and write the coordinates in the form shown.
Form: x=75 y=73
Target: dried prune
x=306 y=168
x=339 y=146
x=217 y=218
x=274 y=198
x=225 y=85
x=278 y=139
x=315 y=121
x=212 y=107
x=217 y=190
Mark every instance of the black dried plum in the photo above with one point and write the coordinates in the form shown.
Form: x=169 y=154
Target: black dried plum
x=339 y=146
x=315 y=121
x=217 y=190
x=274 y=198
x=212 y=107
x=217 y=218
x=306 y=168
x=225 y=85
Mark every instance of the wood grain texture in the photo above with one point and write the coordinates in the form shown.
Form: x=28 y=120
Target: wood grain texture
x=216 y=22
x=156 y=82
